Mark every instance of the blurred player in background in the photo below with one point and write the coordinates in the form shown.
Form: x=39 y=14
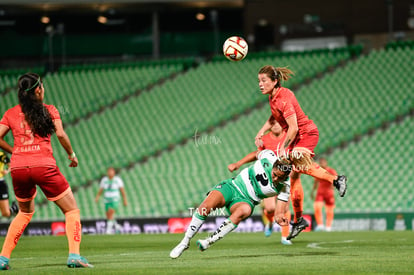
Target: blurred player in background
x=302 y=134
x=271 y=141
x=324 y=195
x=6 y=210
x=112 y=186
x=267 y=177
x=32 y=163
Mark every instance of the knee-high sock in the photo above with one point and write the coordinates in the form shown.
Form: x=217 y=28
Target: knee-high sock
x=73 y=230
x=226 y=227
x=297 y=198
x=16 y=229
x=285 y=229
x=319 y=173
x=269 y=215
x=329 y=215
x=196 y=222
x=317 y=205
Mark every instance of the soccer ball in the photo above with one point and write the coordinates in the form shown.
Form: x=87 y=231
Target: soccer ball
x=235 y=48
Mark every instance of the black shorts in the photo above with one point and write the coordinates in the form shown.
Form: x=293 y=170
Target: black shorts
x=4 y=190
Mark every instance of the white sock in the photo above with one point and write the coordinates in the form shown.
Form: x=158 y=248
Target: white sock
x=196 y=222
x=226 y=227
x=109 y=225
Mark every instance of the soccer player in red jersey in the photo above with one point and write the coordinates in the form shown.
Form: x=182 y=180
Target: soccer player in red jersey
x=302 y=134
x=32 y=163
x=272 y=141
x=324 y=195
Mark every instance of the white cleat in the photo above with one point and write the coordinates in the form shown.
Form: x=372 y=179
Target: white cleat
x=203 y=244
x=285 y=242
x=178 y=250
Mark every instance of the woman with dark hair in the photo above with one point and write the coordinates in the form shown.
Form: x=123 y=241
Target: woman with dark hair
x=32 y=163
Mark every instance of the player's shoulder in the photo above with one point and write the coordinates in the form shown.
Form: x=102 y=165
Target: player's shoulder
x=105 y=178
x=13 y=110
x=51 y=108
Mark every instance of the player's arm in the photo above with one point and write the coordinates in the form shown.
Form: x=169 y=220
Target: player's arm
x=291 y=133
x=99 y=194
x=3 y=144
x=124 y=197
x=282 y=205
x=65 y=142
x=246 y=159
x=280 y=211
x=266 y=127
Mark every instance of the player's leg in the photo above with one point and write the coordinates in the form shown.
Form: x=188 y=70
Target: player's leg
x=214 y=199
x=269 y=205
x=110 y=223
x=68 y=206
x=285 y=229
x=239 y=211
x=329 y=208
x=56 y=189
x=25 y=192
x=5 y=208
x=16 y=229
x=297 y=196
x=302 y=157
x=4 y=199
x=317 y=206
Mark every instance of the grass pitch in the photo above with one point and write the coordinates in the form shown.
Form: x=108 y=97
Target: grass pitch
x=238 y=253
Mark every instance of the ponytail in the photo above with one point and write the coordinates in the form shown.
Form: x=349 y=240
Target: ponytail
x=277 y=73
x=36 y=114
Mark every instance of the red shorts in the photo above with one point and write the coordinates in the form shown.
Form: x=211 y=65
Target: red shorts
x=326 y=196
x=49 y=179
x=307 y=140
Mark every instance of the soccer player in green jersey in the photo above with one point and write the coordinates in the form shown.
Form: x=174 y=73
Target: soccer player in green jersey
x=267 y=177
x=112 y=186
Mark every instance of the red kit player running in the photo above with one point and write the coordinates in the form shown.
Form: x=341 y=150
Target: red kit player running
x=302 y=134
x=32 y=164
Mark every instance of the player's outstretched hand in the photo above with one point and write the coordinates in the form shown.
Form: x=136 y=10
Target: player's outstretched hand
x=73 y=162
x=232 y=167
x=258 y=141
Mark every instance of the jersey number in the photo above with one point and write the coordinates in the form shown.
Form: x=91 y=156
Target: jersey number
x=29 y=137
x=262 y=178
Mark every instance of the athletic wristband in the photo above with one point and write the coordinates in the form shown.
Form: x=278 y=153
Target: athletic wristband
x=72 y=155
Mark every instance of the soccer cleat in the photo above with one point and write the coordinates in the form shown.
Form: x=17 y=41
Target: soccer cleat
x=178 y=250
x=14 y=209
x=284 y=241
x=4 y=263
x=297 y=228
x=340 y=184
x=203 y=245
x=268 y=229
x=75 y=261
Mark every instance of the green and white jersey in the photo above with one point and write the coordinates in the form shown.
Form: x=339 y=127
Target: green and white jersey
x=255 y=181
x=111 y=188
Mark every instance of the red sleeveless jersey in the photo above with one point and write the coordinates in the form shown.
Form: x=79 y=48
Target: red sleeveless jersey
x=29 y=150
